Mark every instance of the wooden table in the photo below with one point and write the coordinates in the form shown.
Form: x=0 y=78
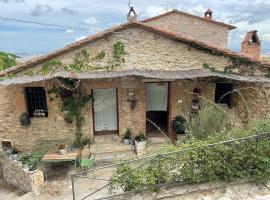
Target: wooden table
x=55 y=156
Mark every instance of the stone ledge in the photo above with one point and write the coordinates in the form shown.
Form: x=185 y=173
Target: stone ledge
x=13 y=174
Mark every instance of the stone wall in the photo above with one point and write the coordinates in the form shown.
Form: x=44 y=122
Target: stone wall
x=46 y=131
x=14 y=175
x=54 y=128
x=191 y=27
x=154 y=51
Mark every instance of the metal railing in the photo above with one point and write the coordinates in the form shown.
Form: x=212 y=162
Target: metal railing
x=141 y=162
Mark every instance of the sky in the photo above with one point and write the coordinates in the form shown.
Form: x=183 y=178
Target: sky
x=80 y=18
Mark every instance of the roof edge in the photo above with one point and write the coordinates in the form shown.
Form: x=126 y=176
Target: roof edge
x=231 y=27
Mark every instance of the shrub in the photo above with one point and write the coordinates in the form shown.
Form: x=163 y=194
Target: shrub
x=179 y=125
x=210 y=120
x=247 y=159
x=128 y=134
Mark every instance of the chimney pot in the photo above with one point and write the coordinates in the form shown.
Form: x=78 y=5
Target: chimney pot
x=208 y=14
x=251 y=46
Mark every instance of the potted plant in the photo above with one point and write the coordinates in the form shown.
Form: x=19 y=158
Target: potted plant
x=32 y=165
x=140 y=144
x=62 y=149
x=14 y=154
x=127 y=137
x=179 y=125
x=25 y=160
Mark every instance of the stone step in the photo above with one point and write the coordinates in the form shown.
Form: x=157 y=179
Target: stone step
x=114 y=157
x=158 y=140
x=108 y=148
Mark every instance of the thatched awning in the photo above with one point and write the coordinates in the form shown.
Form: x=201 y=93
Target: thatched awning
x=149 y=74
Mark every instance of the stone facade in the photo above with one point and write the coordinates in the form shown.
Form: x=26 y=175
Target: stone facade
x=154 y=51
x=194 y=28
x=14 y=175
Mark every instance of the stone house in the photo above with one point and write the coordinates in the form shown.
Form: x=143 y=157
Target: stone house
x=136 y=71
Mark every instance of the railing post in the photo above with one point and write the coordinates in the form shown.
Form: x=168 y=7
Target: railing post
x=73 y=187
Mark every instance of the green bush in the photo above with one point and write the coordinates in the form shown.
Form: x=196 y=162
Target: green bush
x=210 y=120
x=240 y=160
x=179 y=125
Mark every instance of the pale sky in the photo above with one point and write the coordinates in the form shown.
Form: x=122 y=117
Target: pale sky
x=92 y=16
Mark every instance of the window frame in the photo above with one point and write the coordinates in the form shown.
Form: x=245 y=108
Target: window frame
x=38 y=100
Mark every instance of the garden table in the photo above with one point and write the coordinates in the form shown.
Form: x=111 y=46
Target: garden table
x=55 y=156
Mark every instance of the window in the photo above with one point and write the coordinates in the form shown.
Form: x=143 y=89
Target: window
x=222 y=95
x=36 y=102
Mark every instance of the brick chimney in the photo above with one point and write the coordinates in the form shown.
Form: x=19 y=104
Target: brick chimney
x=251 y=46
x=208 y=14
x=132 y=16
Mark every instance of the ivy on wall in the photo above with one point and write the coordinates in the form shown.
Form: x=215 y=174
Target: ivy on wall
x=83 y=61
x=73 y=104
x=241 y=65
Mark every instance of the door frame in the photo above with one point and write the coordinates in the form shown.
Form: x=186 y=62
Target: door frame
x=168 y=133
x=117 y=115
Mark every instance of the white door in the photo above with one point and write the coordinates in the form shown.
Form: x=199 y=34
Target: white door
x=105 y=109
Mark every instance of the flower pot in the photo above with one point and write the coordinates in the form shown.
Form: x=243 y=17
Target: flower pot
x=140 y=144
x=8 y=152
x=62 y=151
x=14 y=156
x=25 y=167
x=126 y=141
x=140 y=148
x=32 y=171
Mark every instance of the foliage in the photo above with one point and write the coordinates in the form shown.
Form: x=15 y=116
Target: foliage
x=140 y=137
x=72 y=105
x=32 y=164
x=7 y=60
x=14 y=151
x=83 y=58
x=267 y=75
x=179 y=125
x=128 y=134
x=62 y=146
x=50 y=66
x=248 y=159
x=210 y=120
x=25 y=158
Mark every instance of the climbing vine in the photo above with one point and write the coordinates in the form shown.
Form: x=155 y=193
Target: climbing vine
x=73 y=102
x=240 y=64
x=72 y=105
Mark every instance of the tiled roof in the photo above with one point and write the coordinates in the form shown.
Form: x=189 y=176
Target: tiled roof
x=106 y=33
x=148 y=74
x=189 y=15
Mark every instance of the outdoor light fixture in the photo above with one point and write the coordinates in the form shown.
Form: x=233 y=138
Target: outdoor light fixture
x=132 y=103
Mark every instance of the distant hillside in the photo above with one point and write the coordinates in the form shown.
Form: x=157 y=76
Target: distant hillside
x=266 y=58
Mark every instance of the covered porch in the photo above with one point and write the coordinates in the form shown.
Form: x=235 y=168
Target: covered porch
x=144 y=101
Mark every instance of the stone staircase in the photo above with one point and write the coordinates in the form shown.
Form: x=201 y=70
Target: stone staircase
x=110 y=149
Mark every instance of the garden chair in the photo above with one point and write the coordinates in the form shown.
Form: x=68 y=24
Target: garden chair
x=39 y=155
x=88 y=162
